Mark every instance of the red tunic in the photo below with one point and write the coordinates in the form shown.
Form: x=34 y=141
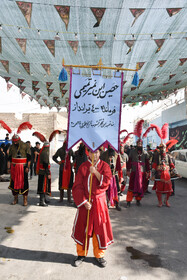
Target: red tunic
x=163 y=171
x=99 y=220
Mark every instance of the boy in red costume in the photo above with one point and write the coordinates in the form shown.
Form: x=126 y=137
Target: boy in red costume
x=99 y=226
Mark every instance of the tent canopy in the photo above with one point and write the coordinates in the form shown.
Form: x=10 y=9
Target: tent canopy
x=35 y=36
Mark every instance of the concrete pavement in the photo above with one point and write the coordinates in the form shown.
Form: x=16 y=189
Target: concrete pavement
x=35 y=242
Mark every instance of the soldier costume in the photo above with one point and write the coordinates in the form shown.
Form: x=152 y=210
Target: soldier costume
x=65 y=171
x=18 y=165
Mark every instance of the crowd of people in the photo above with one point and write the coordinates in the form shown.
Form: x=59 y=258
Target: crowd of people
x=133 y=162
x=96 y=181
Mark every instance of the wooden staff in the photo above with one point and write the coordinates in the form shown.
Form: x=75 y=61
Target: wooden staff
x=99 y=66
x=88 y=216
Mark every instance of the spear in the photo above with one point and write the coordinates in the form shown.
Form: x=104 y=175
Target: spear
x=88 y=215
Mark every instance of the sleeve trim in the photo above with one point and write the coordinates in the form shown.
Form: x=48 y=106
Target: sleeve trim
x=82 y=203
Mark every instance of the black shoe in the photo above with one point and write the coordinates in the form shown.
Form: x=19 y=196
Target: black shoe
x=118 y=208
x=128 y=204
x=43 y=204
x=102 y=262
x=172 y=194
x=138 y=203
x=78 y=260
x=148 y=192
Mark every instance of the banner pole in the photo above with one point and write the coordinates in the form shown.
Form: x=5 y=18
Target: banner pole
x=88 y=215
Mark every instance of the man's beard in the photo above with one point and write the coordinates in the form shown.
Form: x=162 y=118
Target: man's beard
x=139 y=149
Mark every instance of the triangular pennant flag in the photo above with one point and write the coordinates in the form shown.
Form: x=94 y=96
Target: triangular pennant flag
x=20 y=82
x=134 y=104
x=119 y=65
x=177 y=82
x=140 y=81
x=26 y=66
x=35 y=90
x=136 y=13
x=55 y=98
x=171 y=76
x=7 y=79
x=161 y=63
x=50 y=45
x=133 y=88
x=31 y=98
x=74 y=45
x=22 y=43
x=50 y=90
x=45 y=101
x=173 y=11
x=165 y=84
x=34 y=84
x=151 y=85
x=26 y=9
x=22 y=88
x=140 y=65
x=58 y=102
x=5 y=64
x=182 y=60
x=100 y=43
x=124 y=82
x=144 y=103
x=64 y=92
x=154 y=78
x=98 y=13
x=9 y=86
x=38 y=97
x=130 y=44
x=62 y=85
x=47 y=68
x=159 y=43
x=23 y=94
x=63 y=12
x=48 y=84
x=0 y=46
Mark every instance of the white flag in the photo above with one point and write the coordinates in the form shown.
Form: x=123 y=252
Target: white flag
x=94 y=111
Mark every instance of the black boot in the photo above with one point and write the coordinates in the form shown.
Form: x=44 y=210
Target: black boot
x=46 y=200
x=117 y=206
x=128 y=204
x=42 y=200
x=61 y=195
x=138 y=203
x=69 y=196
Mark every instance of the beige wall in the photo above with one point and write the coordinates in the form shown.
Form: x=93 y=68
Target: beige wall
x=43 y=123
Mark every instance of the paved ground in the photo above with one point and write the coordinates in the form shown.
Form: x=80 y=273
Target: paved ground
x=150 y=243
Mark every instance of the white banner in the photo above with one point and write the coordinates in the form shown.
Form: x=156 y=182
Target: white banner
x=95 y=111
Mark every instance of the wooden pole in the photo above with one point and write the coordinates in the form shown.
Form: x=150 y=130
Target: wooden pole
x=88 y=215
x=99 y=66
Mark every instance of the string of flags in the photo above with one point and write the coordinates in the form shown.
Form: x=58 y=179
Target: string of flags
x=98 y=13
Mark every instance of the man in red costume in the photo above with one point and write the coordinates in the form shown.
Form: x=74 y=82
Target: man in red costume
x=18 y=165
x=99 y=227
x=138 y=170
x=162 y=170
